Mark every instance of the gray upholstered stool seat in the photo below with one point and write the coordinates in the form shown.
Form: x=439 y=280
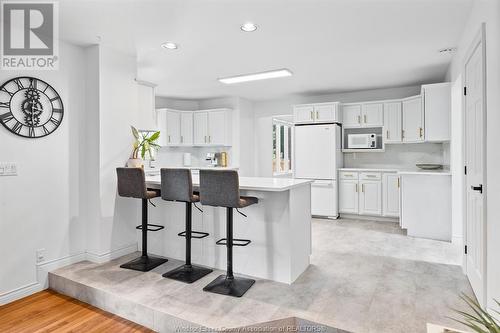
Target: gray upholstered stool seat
x=132 y=184
x=222 y=189
x=177 y=185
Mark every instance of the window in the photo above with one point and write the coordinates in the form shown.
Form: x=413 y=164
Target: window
x=282 y=145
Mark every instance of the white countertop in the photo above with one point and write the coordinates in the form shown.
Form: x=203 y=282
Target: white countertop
x=415 y=171
x=249 y=183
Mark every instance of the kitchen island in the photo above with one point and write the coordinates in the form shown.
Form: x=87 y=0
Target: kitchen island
x=279 y=227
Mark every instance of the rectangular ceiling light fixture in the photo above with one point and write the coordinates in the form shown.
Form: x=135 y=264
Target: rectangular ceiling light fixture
x=256 y=76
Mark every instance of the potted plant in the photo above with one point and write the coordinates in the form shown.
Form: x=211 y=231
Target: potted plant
x=479 y=320
x=143 y=144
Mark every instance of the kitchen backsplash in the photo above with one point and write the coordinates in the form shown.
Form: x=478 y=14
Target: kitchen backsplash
x=402 y=156
x=173 y=156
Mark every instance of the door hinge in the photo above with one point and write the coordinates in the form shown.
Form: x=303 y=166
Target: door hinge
x=465 y=250
x=465 y=169
x=465 y=91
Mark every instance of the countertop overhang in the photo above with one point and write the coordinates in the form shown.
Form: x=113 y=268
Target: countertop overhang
x=248 y=183
x=439 y=172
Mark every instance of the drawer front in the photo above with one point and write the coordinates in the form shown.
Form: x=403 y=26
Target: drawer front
x=348 y=175
x=370 y=176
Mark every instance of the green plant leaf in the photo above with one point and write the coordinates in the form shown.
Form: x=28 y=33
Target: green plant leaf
x=154 y=137
x=135 y=132
x=143 y=152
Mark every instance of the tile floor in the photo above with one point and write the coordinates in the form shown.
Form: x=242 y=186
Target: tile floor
x=365 y=276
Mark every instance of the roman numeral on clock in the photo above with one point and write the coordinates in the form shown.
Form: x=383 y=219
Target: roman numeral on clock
x=6 y=117
x=19 y=84
x=31 y=132
x=5 y=105
x=55 y=121
x=17 y=127
x=8 y=92
x=33 y=83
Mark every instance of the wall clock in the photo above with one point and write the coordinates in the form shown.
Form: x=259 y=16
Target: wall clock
x=30 y=107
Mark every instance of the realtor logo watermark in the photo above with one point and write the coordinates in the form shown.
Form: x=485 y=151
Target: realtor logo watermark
x=30 y=35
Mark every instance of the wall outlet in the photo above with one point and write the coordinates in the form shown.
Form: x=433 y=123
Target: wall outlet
x=40 y=255
x=8 y=169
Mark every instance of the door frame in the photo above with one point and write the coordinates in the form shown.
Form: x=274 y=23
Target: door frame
x=479 y=40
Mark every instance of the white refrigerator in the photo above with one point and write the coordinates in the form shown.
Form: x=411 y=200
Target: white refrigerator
x=318 y=155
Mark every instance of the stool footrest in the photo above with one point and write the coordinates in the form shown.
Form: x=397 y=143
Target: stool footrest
x=236 y=242
x=152 y=227
x=194 y=234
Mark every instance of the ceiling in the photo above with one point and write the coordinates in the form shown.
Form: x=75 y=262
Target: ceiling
x=329 y=45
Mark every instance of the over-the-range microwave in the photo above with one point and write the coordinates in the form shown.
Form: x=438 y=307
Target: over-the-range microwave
x=362 y=141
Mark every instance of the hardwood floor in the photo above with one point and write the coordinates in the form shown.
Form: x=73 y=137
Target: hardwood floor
x=48 y=311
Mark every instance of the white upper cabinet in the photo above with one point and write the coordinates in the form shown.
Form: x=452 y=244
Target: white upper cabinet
x=437 y=108
x=212 y=128
x=303 y=113
x=351 y=115
x=186 y=128
x=316 y=113
x=413 y=119
x=173 y=133
x=372 y=114
x=392 y=122
x=217 y=128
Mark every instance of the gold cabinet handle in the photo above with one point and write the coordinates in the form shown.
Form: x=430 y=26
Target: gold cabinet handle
x=387 y=134
x=209 y=139
x=182 y=139
x=420 y=129
x=356 y=188
x=402 y=134
x=398 y=182
x=371 y=176
x=311 y=114
x=364 y=118
x=317 y=114
x=363 y=188
x=205 y=139
x=359 y=119
x=169 y=139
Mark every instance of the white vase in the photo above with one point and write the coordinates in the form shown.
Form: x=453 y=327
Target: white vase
x=135 y=163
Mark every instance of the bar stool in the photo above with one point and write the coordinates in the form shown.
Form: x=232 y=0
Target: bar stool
x=177 y=185
x=132 y=184
x=222 y=189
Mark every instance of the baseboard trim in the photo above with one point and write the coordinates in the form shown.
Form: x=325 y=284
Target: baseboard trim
x=18 y=293
x=367 y=217
x=100 y=258
x=43 y=269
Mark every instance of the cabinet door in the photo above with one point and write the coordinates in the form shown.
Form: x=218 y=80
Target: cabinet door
x=392 y=122
x=351 y=115
x=390 y=190
x=325 y=113
x=217 y=127
x=373 y=114
x=303 y=114
x=370 y=197
x=348 y=196
x=200 y=128
x=413 y=120
x=173 y=128
x=161 y=125
x=187 y=128
x=437 y=110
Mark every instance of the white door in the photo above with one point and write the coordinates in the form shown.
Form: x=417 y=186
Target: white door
x=200 y=128
x=325 y=113
x=413 y=120
x=390 y=197
x=373 y=114
x=351 y=115
x=303 y=114
x=324 y=198
x=392 y=122
x=173 y=128
x=370 y=196
x=315 y=151
x=348 y=196
x=475 y=132
x=217 y=127
x=187 y=128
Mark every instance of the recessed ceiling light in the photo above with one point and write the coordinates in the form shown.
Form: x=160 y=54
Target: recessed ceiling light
x=256 y=76
x=248 y=27
x=169 y=45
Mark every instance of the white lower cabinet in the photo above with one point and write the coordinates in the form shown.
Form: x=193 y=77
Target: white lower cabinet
x=348 y=196
x=370 y=197
x=324 y=198
x=369 y=193
x=390 y=194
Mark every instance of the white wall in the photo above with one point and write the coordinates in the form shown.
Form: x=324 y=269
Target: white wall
x=40 y=208
x=264 y=112
x=487 y=11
